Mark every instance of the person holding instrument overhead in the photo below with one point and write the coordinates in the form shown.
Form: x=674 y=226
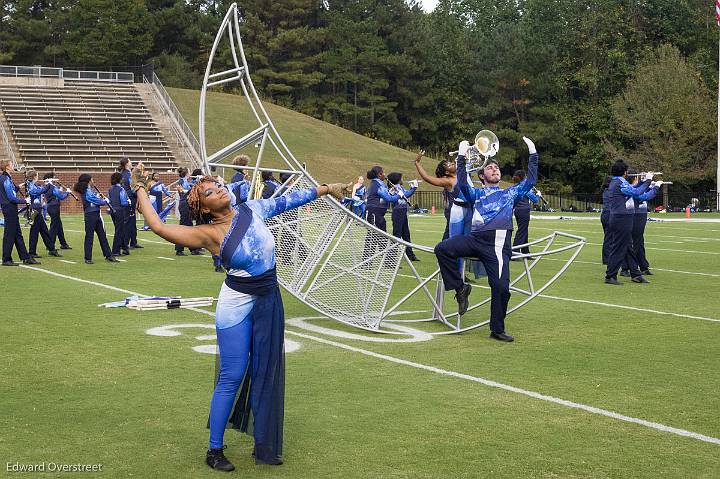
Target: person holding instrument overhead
x=249 y=316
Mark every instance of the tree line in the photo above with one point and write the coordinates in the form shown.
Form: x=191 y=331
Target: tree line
x=588 y=80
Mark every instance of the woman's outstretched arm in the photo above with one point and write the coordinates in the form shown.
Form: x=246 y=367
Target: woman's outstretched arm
x=446 y=183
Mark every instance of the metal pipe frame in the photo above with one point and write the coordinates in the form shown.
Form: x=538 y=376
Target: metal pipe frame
x=320 y=255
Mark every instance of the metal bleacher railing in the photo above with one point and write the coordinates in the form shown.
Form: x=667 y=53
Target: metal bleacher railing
x=177 y=118
x=72 y=75
x=8 y=148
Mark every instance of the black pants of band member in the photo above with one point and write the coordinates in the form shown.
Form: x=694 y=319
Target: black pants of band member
x=522 y=217
x=493 y=249
x=94 y=225
x=605 y=222
x=12 y=235
x=121 y=239
x=56 y=226
x=374 y=240
x=130 y=224
x=185 y=219
x=401 y=228
x=620 y=250
x=39 y=228
x=638 y=241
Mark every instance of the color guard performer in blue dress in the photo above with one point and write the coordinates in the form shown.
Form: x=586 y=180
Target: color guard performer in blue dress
x=358 y=197
x=401 y=228
x=249 y=316
x=445 y=177
x=12 y=234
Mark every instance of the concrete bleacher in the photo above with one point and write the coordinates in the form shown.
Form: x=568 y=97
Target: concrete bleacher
x=83 y=127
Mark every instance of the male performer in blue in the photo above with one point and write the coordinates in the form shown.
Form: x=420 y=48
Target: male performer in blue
x=401 y=228
x=121 y=209
x=52 y=200
x=131 y=220
x=36 y=192
x=522 y=213
x=12 y=235
x=249 y=316
x=93 y=219
x=621 y=200
x=489 y=238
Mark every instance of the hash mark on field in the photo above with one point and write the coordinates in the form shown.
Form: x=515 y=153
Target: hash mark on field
x=467 y=377
x=163 y=257
x=67 y=261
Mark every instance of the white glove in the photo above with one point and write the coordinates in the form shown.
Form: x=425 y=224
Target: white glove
x=463 y=148
x=27 y=201
x=656 y=184
x=530 y=145
x=413 y=183
x=538 y=193
x=649 y=175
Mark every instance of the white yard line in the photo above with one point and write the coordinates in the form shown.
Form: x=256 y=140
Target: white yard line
x=487 y=382
x=163 y=257
x=67 y=261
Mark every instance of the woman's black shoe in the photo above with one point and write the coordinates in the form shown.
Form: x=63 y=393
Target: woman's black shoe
x=217 y=460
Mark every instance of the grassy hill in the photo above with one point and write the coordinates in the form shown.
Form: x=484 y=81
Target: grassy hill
x=330 y=152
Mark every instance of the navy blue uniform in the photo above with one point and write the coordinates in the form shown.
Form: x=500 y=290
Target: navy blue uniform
x=378 y=200
x=130 y=223
x=39 y=227
x=12 y=235
x=121 y=210
x=489 y=239
x=185 y=216
x=621 y=202
x=52 y=199
x=401 y=228
x=605 y=222
x=94 y=224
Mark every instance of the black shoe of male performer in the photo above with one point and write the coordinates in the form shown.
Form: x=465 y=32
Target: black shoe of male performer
x=65 y=246
x=413 y=258
x=502 y=337
x=640 y=279
x=219 y=269
x=125 y=252
x=55 y=253
x=216 y=459
x=10 y=263
x=625 y=272
x=462 y=296
x=35 y=255
x=613 y=281
x=31 y=260
x=111 y=259
x=196 y=252
x=136 y=246
x=180 y=253
x=89 y=261
x=647 y=272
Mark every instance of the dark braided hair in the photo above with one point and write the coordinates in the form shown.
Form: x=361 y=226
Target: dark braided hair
x=441 y=169
x=193 y=199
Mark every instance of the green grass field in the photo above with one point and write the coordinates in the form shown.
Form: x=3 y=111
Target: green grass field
x=82 y=384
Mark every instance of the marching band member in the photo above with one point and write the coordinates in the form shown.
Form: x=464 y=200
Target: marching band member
x=36 y=192
x=401 y=228
x=52 y=200
x=378 y=199
x=239 y=186
x=605 y=219
x=9 y=201
x=488 y=240
x=271 y=184
x=130 y=229
x=249 y=314
x=358 y=197
x=121 y=209
x=183 y=187
x=621 y=199
x=638 y=232
x=93 y=219
x=522 y=213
